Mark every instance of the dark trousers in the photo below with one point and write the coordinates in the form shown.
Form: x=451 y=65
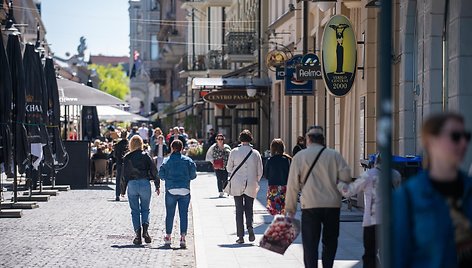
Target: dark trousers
x=244 y=205
x=370 y=248
x=221 y=177
x=314 y=221
x=119 y=169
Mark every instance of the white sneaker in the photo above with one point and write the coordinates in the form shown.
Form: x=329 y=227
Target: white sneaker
x=222 y=194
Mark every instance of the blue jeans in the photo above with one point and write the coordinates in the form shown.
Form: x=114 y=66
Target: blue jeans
x=139 y=198
x=171 y=202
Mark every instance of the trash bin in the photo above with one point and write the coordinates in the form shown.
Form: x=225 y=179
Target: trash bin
x=408 y=166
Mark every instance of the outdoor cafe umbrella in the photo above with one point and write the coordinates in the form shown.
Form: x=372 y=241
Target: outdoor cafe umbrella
x=109 y=113
x=72 y=93
x=53 y=111
x=36 y=106
x=90 y=123
x=5 y=110
x=21 y=149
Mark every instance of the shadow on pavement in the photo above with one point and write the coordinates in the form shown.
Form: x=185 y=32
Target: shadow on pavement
x=164 y=247
x=127 y=246
x=215 y=197
x=114 y=201
x=98 y=187
x=236 y=245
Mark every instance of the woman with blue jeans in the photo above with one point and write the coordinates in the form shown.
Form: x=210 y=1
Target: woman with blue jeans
x=177 y=171
x=138 y=170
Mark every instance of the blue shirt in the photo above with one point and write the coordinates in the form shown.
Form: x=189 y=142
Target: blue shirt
x=177 y=171
x=423 y=232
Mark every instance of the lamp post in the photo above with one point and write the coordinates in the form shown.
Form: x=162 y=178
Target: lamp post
x=384 y=127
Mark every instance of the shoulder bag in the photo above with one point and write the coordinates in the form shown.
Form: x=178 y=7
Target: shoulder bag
x=312 y=166
x=226 y=183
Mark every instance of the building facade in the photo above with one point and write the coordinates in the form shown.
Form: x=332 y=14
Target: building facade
x=222 y=54
x=430 y=52
x=157 y=37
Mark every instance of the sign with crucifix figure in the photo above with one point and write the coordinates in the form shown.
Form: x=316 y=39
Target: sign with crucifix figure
x=339 y=55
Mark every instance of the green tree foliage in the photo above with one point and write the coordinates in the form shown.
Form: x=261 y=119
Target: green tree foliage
x=113 y=80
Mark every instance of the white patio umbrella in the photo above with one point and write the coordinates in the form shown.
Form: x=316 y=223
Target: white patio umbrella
x=110 y=113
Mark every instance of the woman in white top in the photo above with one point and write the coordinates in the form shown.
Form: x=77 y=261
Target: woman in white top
x=244 y=183
x=368 y=183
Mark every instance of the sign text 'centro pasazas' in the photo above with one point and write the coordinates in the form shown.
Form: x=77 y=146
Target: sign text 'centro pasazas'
x=230 y=97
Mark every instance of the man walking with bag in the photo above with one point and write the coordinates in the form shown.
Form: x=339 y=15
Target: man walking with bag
x=245 y=167
x=315 y=172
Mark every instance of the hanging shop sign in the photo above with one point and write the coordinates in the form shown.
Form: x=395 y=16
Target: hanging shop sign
x=294 y=86
x=276 y=58
x=310 y=68
x=230 y=97
x=280 y=73
x=339 y=55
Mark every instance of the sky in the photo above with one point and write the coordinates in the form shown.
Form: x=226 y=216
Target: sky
x=104 y=23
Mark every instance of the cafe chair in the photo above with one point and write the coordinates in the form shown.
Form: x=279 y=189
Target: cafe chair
x=101 y=170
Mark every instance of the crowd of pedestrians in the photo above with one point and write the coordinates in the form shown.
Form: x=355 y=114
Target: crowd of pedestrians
x=432 y=211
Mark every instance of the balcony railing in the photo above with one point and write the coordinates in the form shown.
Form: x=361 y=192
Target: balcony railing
x=213 y=60
x=240 y=43
x=158 y=76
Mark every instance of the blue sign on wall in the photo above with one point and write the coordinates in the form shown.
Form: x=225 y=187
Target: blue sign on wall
x=294 y=87
x=280 y=73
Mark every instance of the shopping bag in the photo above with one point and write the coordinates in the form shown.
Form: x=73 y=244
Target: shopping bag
x=280 y=234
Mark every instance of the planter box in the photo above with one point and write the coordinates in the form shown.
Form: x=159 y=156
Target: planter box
x=203 y=166
x=198 y=157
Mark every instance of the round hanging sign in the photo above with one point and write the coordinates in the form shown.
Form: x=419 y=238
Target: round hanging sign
x=339 y=55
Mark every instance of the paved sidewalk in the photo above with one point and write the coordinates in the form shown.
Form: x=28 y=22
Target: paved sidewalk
x=87 y=228
x=215 y=233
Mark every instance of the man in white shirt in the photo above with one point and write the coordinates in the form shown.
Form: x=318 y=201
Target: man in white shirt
x=143 y=132
x=320 y=199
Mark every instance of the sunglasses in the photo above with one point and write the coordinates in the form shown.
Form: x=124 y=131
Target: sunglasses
x=456 y=136
x=220 y=139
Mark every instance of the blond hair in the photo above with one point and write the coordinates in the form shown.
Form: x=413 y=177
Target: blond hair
x=136 y=143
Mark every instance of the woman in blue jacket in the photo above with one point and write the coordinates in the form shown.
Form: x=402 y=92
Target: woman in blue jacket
x=177 y=171
x=433 y=211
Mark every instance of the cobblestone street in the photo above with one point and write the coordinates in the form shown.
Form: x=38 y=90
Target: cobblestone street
x=87 y=228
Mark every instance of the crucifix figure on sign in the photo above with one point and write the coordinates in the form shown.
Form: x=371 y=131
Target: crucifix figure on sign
x=339 y=48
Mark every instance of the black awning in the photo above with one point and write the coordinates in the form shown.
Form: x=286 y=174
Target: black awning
x=243 y=71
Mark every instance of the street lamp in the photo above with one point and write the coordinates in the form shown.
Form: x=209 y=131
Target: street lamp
x=251 y=90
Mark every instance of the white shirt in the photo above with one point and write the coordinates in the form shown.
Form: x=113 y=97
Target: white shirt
x=160 y=150
x=368 y=183
x=246 y=179
x=143 y=133
x=179 y=191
